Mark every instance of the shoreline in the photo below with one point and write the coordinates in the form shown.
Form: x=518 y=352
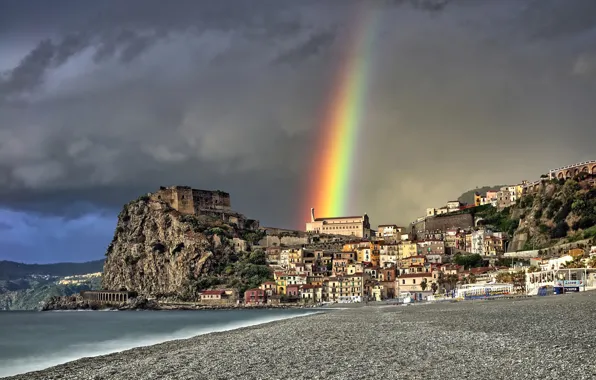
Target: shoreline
x=74 y=303
x=232 y=326
x=539 y=337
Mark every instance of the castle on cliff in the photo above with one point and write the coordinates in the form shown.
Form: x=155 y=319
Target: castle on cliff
x=214 y=203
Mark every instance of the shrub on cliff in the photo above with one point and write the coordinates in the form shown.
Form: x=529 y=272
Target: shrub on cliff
x=468 y=261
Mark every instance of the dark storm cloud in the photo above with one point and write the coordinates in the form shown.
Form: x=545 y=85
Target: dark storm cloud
x=312 y=46
x=118 y=98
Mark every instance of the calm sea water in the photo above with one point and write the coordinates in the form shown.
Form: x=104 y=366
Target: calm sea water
x=31 y=341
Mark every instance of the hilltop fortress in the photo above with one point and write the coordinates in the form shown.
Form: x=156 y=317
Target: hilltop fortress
x=214 y=203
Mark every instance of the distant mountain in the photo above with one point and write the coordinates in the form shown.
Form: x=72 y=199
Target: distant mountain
x=10 y=270
x=25 y=286
x=468 y=196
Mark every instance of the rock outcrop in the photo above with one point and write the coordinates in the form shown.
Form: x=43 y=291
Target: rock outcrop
x=558 y=212
x=160 y=253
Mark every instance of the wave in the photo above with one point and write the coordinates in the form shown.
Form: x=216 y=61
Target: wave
x=82 y=350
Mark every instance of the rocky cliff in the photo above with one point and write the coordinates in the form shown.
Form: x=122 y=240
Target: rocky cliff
x=158 y=252
x=558 y=212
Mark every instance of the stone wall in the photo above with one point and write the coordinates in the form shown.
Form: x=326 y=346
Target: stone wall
x=192 y=201
x=273 y=240
x=443 y=223
x=211 y=200
x=219 y=302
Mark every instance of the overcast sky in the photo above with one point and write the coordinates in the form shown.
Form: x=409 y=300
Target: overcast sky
x=103 y=101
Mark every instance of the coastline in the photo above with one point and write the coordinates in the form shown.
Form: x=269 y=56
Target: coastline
x=540 y=337
x=111 y=343
x=76 y=303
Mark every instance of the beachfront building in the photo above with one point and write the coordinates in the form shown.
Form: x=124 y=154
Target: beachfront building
x=219 y=296
x=415 y=282
x=255 y=296
x=352 y=288
x=357 y=226
x=311 y=293
x=270 y=287
x=479 y=291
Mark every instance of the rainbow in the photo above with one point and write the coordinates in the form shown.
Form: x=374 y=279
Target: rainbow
x=329 y=183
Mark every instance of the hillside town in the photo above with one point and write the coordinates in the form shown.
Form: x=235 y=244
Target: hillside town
x=448 y=253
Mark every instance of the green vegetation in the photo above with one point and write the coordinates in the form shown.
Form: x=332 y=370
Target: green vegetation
x=241 y=271
x=468 y=261
x=499 y=220
x=559 y=210
x=254 y=237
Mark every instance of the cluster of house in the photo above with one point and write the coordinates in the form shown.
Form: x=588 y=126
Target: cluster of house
x=360 y=271
x=506 y=196
x=364 y=264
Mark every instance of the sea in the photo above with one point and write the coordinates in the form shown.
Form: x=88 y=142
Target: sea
x=31 y=341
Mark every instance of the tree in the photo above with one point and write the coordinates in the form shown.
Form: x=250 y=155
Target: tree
x=452 y=280
x=258 y=257
x=441 y=280
x=434 y=287
x=468 y=261
x=423 y=285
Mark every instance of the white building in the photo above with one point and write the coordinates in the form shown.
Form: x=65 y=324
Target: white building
x=388 y=254
x=357 y=226
x=556 y=263
x=453 y=206
x=388 y=231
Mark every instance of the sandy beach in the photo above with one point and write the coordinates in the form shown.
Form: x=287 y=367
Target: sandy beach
x=533 y=338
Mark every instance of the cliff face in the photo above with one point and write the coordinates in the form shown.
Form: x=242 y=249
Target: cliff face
x=559 y=212
x=158 y=252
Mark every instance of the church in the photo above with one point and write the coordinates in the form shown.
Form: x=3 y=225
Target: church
x=357 y=226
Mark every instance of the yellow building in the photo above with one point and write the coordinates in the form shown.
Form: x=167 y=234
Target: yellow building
x=576 y=252
x=281 y=285
x=519 y=189
x=363 y=255
x=477 y=199
x=282 y=280
x=413 y=261
x=352 y=247
x=355 y=268
x=294 y=256
x=375 y=258
x=339 y=266
x=407 y=249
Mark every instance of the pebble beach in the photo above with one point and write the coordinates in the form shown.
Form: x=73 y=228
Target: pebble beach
x=531 y=338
